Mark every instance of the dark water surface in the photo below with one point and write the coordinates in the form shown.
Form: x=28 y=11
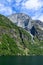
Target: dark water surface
x=21 y=60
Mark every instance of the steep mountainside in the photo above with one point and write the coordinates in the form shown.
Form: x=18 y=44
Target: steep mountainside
x=38 y=25
x=35 y=27
x=15 y=40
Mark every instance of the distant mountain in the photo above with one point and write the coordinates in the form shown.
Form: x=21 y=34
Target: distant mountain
x=15 y=40
x=35 y=27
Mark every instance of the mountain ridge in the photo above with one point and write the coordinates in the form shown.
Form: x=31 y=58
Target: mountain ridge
x=16 y=41
x=26 y=22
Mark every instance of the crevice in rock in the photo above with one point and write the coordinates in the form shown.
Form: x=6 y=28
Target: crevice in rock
x=21 y=36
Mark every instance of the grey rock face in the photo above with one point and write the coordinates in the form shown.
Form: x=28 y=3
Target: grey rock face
x=35 y=27
x=21 y=20
x=38 y=25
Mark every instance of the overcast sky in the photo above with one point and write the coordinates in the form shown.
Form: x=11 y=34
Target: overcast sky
x=33 y=8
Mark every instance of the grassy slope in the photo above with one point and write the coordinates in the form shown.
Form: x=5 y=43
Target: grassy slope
x=17 y=41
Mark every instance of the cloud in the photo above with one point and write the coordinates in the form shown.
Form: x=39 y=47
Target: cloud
x=18 y=1
x=32 y=4
x=38 y=17
x=41 y=18
x=33 y=8
x=5 y=9
x=9 y=0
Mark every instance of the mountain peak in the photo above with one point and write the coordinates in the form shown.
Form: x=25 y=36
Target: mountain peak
x=26 y=22
x=15 y=40
x=21 y=20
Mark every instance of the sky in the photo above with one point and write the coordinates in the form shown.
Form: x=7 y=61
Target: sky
x=33 y=8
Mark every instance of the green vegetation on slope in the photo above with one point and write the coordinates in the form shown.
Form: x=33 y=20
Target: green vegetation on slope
x=17 y=41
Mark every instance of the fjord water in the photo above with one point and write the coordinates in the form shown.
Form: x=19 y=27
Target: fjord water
x=20 y=60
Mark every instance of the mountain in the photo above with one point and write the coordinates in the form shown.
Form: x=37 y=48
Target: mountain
x=38 y=25
x=21 y=20
x=15 y=40
x=35 y=27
